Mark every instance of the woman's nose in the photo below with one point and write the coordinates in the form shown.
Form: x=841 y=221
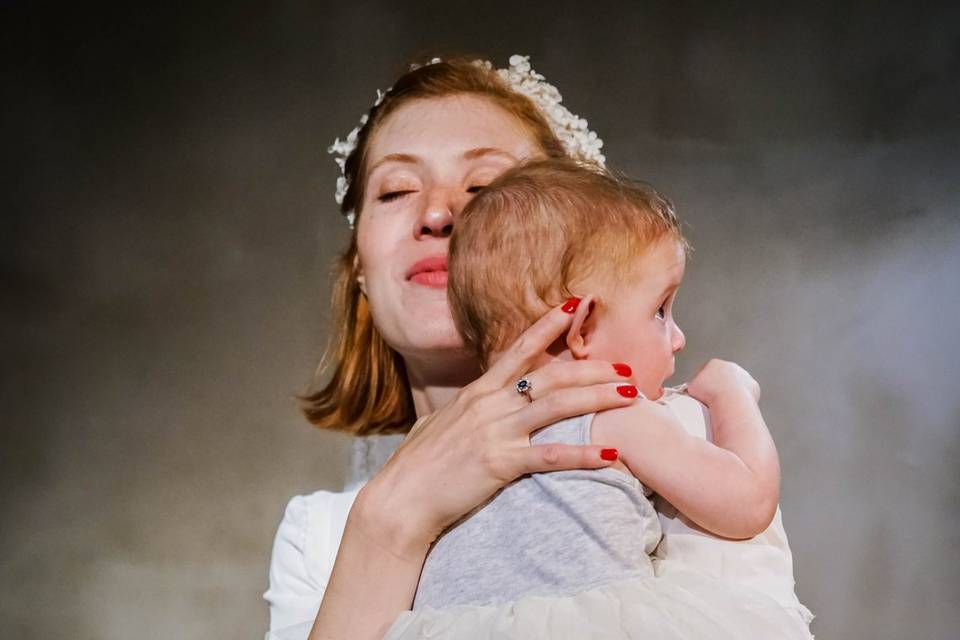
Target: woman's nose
x=679 y=340
x=436 y=218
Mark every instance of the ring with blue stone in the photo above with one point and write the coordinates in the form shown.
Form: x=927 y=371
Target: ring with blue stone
x=524 y=387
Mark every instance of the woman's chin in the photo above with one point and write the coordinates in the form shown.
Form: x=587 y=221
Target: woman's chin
x=433 y=334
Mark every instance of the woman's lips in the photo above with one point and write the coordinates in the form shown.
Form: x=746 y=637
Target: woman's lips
x=437 y=279
x=430 y=272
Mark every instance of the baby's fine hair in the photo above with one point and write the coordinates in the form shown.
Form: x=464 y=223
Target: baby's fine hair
x=541 y=233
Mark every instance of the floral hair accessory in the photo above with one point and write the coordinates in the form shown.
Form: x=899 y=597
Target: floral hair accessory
x=579 y=142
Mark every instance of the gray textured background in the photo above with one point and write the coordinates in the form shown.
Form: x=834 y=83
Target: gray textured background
x=168 y=221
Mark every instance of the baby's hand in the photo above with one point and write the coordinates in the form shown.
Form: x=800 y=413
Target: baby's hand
x=719 y=377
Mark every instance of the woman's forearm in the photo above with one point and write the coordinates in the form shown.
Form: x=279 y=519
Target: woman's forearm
x=374 y=577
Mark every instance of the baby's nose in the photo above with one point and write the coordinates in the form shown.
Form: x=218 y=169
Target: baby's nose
x=679 y=339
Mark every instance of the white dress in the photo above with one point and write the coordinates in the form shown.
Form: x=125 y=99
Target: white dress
x=700 y=586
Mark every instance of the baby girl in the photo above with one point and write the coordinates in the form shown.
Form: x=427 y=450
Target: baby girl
x=567 y=554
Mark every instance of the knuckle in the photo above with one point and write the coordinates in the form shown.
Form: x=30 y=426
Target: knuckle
x=474 y=407
x=470 y=399
x=498 y=466
x=464 y=394
x=602 y=394
x=551 y=454
x=556 y=373
x=552 y=403
x=462 y=400
x=487 y=459
x=528 y=346
x=522 y=345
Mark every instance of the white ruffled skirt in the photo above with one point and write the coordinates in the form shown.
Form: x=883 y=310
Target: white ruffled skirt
x=678 y=606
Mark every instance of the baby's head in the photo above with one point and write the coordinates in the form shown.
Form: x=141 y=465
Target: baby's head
x=548 y=230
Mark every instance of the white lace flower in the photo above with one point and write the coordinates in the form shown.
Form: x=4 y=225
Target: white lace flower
x=579 y=142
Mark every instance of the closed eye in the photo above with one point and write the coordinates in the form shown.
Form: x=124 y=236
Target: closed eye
x=392 y=195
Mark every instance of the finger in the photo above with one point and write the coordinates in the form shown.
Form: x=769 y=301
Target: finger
x=561 y=375
x=518 y=358
x=559 y=457
x=569 y=402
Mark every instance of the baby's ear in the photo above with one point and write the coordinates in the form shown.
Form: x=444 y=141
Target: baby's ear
x=580 y=329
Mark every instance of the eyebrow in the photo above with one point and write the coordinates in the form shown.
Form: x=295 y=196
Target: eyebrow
x=394 y=157
x=471 y=154
x=479 y=152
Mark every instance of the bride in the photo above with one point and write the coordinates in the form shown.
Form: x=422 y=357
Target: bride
x=347 y=564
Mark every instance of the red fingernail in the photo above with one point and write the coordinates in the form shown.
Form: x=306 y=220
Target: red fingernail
x=622 y=369
x=571 y=305
x=627 y=391
x=609 y=454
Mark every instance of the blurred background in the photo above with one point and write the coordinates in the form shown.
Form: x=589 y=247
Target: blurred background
x=168 y=226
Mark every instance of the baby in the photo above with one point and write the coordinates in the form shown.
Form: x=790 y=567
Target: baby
x=567 y=554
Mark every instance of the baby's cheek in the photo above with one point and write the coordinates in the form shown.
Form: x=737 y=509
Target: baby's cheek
x=648 y=380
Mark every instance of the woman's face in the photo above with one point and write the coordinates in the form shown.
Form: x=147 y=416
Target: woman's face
x=425 y=163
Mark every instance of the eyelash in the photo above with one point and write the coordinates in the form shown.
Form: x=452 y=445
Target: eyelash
x=395 y=195
x=662 y=311
x=392 y=195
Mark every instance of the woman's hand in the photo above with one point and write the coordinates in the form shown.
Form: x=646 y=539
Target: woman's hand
x=452 y=461
x=459 y=456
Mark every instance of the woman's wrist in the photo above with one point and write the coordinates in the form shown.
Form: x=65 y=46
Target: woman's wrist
x=391 y=527
x=375 y=574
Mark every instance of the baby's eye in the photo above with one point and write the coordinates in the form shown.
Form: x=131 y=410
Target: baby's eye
x=392 y=195
x=661 y=312
x=476 y=188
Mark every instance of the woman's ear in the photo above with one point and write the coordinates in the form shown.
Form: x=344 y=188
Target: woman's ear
x=579 y=333
x=358 y=270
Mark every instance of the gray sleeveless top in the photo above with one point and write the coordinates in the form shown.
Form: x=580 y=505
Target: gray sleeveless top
x=547 y=534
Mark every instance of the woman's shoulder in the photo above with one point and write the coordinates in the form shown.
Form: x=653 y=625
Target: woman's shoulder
x=301 y=508
x=304 y=551
x=316 y=520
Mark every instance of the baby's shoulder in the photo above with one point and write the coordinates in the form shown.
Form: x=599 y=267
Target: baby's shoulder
x=641 y=418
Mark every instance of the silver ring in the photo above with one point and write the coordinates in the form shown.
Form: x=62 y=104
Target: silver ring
x=524 y=387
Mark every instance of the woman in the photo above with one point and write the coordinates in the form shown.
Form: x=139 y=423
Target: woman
x=438 y=136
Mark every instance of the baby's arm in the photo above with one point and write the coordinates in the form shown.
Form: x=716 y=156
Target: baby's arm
x=730 y=488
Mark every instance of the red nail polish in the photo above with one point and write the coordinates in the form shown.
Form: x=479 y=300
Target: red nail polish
x=622 y=369
x=627 y=391
x=609 y=454
x=571 y=305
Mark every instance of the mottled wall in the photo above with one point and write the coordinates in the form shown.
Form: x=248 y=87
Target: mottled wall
x=168 y=222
